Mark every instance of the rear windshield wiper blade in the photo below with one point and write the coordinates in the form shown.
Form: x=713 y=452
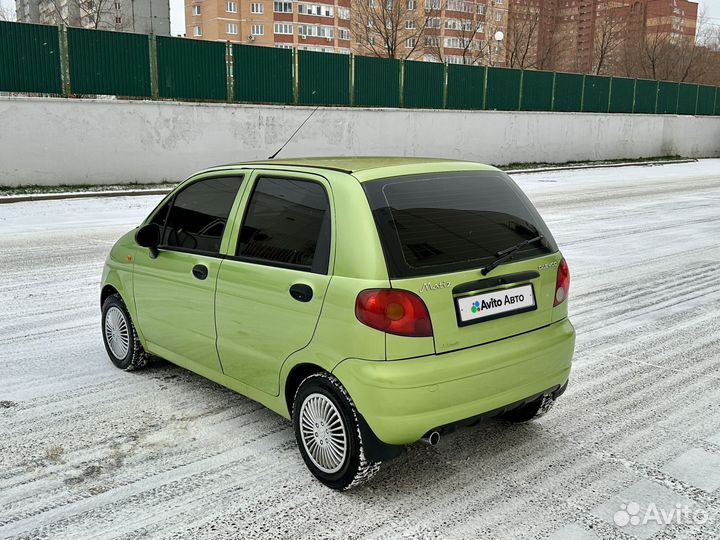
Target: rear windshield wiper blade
x=505 y=254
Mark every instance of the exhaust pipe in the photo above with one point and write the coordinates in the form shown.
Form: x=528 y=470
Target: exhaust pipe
x=432 y=438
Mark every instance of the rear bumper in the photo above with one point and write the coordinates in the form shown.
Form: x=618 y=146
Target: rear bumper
x=402 y=400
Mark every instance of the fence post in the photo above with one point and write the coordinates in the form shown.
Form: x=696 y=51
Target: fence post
x=610 y=94
x=715 y=101
x=634 y=95
x=697 y=96
x=296 y=76
x=520 y=90
x=657 y=96
x=154 y=86
x=64 y=61
x=582 y=96
x=352 y=79
x=445 y=84
x=552 y=98
x=402 y=83
x=485 y=86
x=229 y=72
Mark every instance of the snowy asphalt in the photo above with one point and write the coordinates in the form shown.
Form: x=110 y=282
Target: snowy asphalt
x=87 y=451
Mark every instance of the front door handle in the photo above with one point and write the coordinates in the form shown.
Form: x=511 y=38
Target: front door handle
x=301 y=292
x=200 y=271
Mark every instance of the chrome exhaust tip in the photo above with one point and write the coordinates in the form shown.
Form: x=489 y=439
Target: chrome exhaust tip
x=432 y=438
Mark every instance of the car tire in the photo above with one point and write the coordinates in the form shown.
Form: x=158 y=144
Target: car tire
x=120 y=337
x=328 y=435
x=530 y=411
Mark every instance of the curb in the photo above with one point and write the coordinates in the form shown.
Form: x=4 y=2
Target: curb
x=601 y=166
x=82 y=195
x=163 y=191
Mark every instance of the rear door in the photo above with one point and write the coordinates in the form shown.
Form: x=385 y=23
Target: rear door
x=271 y=286
x=440 y=230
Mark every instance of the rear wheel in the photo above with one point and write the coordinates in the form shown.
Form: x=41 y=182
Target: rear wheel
x=119 y=335
x=327 y=433
x=530 y=411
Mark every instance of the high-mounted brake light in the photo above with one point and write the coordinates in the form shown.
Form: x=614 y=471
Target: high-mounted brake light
x=394 y=311
x=562 y=284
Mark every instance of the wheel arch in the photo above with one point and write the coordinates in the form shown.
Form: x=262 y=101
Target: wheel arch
x=297 y=374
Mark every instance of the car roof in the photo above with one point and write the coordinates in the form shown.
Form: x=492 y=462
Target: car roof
x=368 y=167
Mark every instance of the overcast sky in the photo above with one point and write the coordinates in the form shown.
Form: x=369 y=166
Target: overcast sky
x=177 y=13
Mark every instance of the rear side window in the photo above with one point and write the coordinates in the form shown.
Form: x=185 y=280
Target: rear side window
x=447 y=222
x=287 y=224
x=198 y=214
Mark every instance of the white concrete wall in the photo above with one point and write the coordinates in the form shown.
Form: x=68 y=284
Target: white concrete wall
x=61 y=141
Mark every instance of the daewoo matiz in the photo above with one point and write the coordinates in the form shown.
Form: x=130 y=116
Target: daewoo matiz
x=373 y=301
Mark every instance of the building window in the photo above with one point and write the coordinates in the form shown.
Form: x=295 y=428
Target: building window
x=117 y=6
x=316 y=9
x=283 y=28
x=232 y=28
x=231 y=7
x=498 y=16
x=343 y=33
x=432 y=41
x=433 y=22
x=118 y=20
x=344 y=13
x=196 y=10
x=197 y=31
x=257 y=29
x=411 y=5
x=282 y=7
x=257 y=8
x=410 y=25
x=481 y=9
x=410 y=43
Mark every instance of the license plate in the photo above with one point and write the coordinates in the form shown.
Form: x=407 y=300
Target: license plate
x=495 y=304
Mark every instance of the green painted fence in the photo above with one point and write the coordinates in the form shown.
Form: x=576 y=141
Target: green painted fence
x=323 y=78
x=423 y=85
x=465 y=87
x=377 y=82
x=51 y=60
x=112 y=63
x=191 y=69
x=262 y=74
x=29 y=58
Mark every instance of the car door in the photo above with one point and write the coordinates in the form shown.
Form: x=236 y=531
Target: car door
x=271 y=286
x=175 y=291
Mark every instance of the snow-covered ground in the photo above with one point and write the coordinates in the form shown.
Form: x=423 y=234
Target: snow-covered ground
x=89 y=451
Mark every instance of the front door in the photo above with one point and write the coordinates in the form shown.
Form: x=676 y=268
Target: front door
x=174 y=292
x=271 y=288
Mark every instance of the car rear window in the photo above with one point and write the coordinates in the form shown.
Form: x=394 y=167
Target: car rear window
x=447 y=222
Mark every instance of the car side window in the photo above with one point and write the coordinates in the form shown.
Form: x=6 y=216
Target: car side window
x=198 y=214
x=287 y=224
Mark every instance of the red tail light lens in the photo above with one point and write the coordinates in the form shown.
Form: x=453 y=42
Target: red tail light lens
x=562 y=285
x=394 y=311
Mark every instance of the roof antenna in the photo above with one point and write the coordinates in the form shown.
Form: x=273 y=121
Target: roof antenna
x=298 y=129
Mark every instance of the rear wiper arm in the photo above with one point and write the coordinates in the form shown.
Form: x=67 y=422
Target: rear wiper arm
x=505 y=254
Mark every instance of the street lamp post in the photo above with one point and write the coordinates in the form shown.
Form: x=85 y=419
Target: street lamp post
x=499 y=36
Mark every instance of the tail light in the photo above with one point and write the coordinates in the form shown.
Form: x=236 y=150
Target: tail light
x=562 y=285
x=394 y=311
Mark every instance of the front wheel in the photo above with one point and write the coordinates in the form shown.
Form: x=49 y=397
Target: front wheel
x=327 y=433
x=121 y=340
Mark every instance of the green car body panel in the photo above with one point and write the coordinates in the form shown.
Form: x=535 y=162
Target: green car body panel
x=240 y=328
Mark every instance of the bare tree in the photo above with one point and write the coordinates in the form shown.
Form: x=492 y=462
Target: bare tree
x=460 y=35
x=521 y=43
x=96 y=14
x=610 y=32
x=394 y=28
x=7 y=14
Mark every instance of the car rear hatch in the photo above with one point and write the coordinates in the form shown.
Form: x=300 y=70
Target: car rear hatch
x=440 y=230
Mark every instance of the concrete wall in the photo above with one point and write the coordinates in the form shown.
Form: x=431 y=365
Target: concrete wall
x=60 y=141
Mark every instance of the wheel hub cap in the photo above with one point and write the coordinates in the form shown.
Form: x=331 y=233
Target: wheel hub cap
x=323 y=433
x=117 y=334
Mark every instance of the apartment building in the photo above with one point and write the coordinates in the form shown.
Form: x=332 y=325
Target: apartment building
x=311 y=26
x=453 y=31
x=141 y=16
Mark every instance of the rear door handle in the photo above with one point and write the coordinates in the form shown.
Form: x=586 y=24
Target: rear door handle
x=301 y=292
x=200 y=271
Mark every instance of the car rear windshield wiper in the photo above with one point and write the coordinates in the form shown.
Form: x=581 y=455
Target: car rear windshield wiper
x=505 y=254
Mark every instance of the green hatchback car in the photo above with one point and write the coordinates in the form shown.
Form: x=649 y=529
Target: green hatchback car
x=373 y=301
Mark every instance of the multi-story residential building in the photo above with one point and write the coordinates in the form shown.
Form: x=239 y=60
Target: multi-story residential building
x=141 y=16
x=454 y=31
x=318 y=26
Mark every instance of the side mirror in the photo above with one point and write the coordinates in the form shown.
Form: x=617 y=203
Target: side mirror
x=149 y=236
